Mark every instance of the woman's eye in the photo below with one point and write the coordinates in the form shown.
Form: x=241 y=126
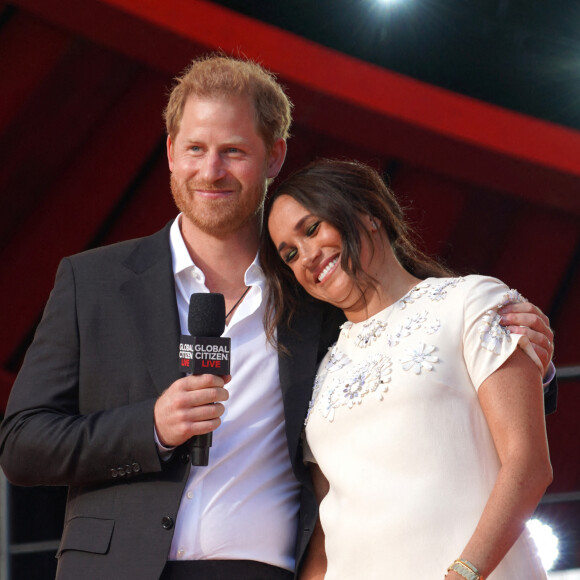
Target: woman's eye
x=312 y=229
x=290 y=256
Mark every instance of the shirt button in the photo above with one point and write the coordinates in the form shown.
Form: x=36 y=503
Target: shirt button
x=189 y=494
x=167 y=522
x=180 y=553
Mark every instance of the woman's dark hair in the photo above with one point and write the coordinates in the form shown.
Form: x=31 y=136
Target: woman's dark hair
x=341 y=193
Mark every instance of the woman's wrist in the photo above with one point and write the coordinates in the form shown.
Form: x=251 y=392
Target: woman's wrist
x=462 y=568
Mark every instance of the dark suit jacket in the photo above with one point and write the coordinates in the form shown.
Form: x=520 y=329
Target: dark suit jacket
x=81 y=410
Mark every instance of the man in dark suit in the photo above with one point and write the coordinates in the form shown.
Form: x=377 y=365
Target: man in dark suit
x=101 y=406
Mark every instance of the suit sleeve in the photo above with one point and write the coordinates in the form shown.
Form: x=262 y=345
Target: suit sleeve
x=551 y=396
x=45 y=439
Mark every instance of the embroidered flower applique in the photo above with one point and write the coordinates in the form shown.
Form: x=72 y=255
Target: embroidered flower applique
x=345 y=327
x=371 y=330
x=510 y=297
x=439 y=292
x=370 y=376
x=419 y=358
x=315 y=391
x=337 y=360
x=404 y=330
x=433 y=327
x=491 y=332
x=394 y=338
x=413 y=294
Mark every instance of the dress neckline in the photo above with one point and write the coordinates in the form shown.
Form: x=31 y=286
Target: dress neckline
x=385 y=312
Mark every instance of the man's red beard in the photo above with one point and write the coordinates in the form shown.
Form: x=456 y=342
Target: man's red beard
x=222 y=215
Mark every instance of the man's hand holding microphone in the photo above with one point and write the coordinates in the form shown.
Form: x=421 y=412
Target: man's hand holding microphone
x=192 y=406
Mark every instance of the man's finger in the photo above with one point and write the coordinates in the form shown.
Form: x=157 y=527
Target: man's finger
x=524 y=308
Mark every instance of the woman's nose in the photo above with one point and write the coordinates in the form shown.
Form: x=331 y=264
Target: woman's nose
x=310 y=255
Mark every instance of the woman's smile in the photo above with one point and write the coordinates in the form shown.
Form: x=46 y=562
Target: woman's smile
x=330 y=266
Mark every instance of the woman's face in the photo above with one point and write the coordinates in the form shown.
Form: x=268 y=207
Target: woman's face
x=312 y=249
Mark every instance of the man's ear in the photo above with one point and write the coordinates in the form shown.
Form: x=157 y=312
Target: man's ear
x=170 y=152
x=276 y=158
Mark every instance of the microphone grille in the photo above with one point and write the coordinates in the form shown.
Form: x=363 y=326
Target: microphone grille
x=207 y=314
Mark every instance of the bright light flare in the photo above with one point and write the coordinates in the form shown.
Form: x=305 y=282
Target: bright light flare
x=546 y=541
x=389 y=2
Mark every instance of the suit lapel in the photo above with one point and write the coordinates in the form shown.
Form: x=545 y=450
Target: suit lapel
x=149 y=297
x=298 y=370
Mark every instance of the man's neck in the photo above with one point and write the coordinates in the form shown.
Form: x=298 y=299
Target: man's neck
x=223 y=260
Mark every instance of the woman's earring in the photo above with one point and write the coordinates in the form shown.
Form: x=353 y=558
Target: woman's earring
x=374 y=225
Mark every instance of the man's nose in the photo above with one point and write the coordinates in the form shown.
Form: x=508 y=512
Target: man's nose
x=213 y=168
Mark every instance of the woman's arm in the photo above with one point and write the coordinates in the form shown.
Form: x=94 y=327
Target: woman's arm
x=527 y=319
x=515 y=416
x=314 y=567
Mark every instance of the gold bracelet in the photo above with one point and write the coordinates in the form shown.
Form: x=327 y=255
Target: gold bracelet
x=465 y=569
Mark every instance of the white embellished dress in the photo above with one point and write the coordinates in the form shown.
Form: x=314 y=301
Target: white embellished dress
x=396 y=427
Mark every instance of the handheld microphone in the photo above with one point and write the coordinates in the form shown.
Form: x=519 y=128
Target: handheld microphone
x=205 y=352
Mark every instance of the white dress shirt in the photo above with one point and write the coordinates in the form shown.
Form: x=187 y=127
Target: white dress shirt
x=244 y=504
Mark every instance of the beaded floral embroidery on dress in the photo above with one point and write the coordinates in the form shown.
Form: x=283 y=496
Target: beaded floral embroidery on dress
x=419 y=358
x=404 y=330
x=439 y=291
x=336 y=361
x=372 y=374
x=492 y=333
x=371 y=330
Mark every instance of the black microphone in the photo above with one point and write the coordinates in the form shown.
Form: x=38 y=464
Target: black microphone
x=205 y=352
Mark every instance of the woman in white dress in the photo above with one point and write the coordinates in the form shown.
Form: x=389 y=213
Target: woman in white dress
x=426 y=431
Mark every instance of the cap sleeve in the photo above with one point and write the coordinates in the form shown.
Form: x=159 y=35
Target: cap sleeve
x=486 y=343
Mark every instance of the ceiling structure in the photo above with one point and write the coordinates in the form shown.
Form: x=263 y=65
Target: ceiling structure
x=520 y=54
x=479 y=141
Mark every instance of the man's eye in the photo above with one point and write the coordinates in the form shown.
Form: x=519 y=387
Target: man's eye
x=290 y=256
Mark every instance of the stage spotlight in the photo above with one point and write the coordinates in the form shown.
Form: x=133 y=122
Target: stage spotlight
x=388 y=2
x=546 y=541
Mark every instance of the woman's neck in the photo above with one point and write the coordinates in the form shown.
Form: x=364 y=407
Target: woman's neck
x=392 y=283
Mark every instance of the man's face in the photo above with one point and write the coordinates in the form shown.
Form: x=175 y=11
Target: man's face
x=219 y=164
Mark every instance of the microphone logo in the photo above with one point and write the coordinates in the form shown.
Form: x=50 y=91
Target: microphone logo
x=205 y=355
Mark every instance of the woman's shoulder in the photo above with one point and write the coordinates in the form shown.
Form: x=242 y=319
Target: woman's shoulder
x=493 y=287
x=473 y=290
x=467 y=283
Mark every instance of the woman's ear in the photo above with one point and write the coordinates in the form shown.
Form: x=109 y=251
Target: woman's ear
x=372 y=223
